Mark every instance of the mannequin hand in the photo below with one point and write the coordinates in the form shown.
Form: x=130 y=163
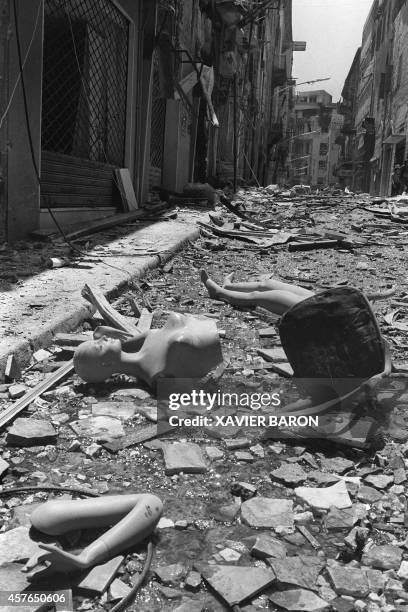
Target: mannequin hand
x=55 y=561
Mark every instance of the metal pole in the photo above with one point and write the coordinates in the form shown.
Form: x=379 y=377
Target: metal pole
x=235 y=142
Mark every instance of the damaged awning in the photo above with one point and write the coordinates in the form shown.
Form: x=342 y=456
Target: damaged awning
x=204 y=74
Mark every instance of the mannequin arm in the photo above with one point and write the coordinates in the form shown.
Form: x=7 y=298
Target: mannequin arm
x=130 y=344
x=135 y=516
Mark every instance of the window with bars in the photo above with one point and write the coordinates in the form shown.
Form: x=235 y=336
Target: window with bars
x=85 y=58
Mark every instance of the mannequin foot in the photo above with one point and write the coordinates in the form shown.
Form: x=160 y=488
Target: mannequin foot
x=210 y=285
x=228 y=279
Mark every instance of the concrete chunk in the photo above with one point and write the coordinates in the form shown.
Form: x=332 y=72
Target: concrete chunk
x=183 y=457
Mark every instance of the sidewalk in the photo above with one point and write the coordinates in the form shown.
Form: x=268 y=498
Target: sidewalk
x=51 y=301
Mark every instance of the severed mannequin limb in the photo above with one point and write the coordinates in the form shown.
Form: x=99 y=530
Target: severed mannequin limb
x=134 y=518
x=272 y=295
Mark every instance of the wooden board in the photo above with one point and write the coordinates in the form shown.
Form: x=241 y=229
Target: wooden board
x=125 y=186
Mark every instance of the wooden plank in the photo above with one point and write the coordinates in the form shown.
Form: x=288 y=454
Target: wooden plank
x=145 y=321
x=125 y=186
x=13 y=410
x=109 y=314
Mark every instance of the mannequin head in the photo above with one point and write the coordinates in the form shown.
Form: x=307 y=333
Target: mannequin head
x=97 y=360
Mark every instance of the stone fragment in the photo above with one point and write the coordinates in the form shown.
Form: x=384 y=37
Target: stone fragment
x=17 y=391
x=266 y=546
x=235 y=584
x=257 y=450
x=169 y=592
x=3 y=467
x=41 y=355
x=340 y=518
x=266 y=513
x=99 y=577
x=165 y=523
x=301 y=571
x=93 y=450
x=183 y=457
x=98 y=427
x=243 y=456
x=299 y=600
x=21 y=515
x=133 y=393
x=16 y=545
x=379 y=481
x=214 y=453
x=338 y=465
x=383 y=557
x=190 y=605
x=376 y=580
x=349 y=581
x=321 y=478
x=342 y=604
x=403 y=570
x=119 y=410
x=171 y=575
x=193 y=581
x=323 y=498
x=227 y=512
x=237 y=443
x=181 y=524
x=368 y=495
x=243 y=489
x=290 y=474
x=230 y=555
x=118 y=590
x=303 y=518
x=31 y=432
x=356 y=537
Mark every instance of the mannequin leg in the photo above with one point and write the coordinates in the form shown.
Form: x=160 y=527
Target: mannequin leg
x=267 y=285
x=275 y=301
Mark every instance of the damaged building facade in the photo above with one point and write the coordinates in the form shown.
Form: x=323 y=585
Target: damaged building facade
x=376 y=112
x=315 y=146
x=174 y=92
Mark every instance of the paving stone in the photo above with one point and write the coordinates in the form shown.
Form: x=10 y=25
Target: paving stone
x=301 y=571
x=99 y=427
x=193 y=580
x=214 y=453
x=349 y=581
x=99 y=577
x=236 y=583
x=3 y=467
x=266 y=513
x=16 y=545
x=299 y=600
x=379 y=481
x=368 y=495
x=324 y=498
x=183 y=457
x=383 y=557
x=338 y=465
x=266 y=546
x=31 y=432
x=119 y=410
x=12 y=578
x=290 y=474
x=171 y=575
x=243 y=456
x=340 y=518
x=237 y=443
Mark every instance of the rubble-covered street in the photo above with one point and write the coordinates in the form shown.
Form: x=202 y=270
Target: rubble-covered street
x=249 y=522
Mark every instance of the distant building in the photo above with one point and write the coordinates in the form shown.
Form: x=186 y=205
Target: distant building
x=380 y=111
x=347 y=107
x=314 y=151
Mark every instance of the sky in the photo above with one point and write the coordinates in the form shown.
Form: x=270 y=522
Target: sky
x=333 y=31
